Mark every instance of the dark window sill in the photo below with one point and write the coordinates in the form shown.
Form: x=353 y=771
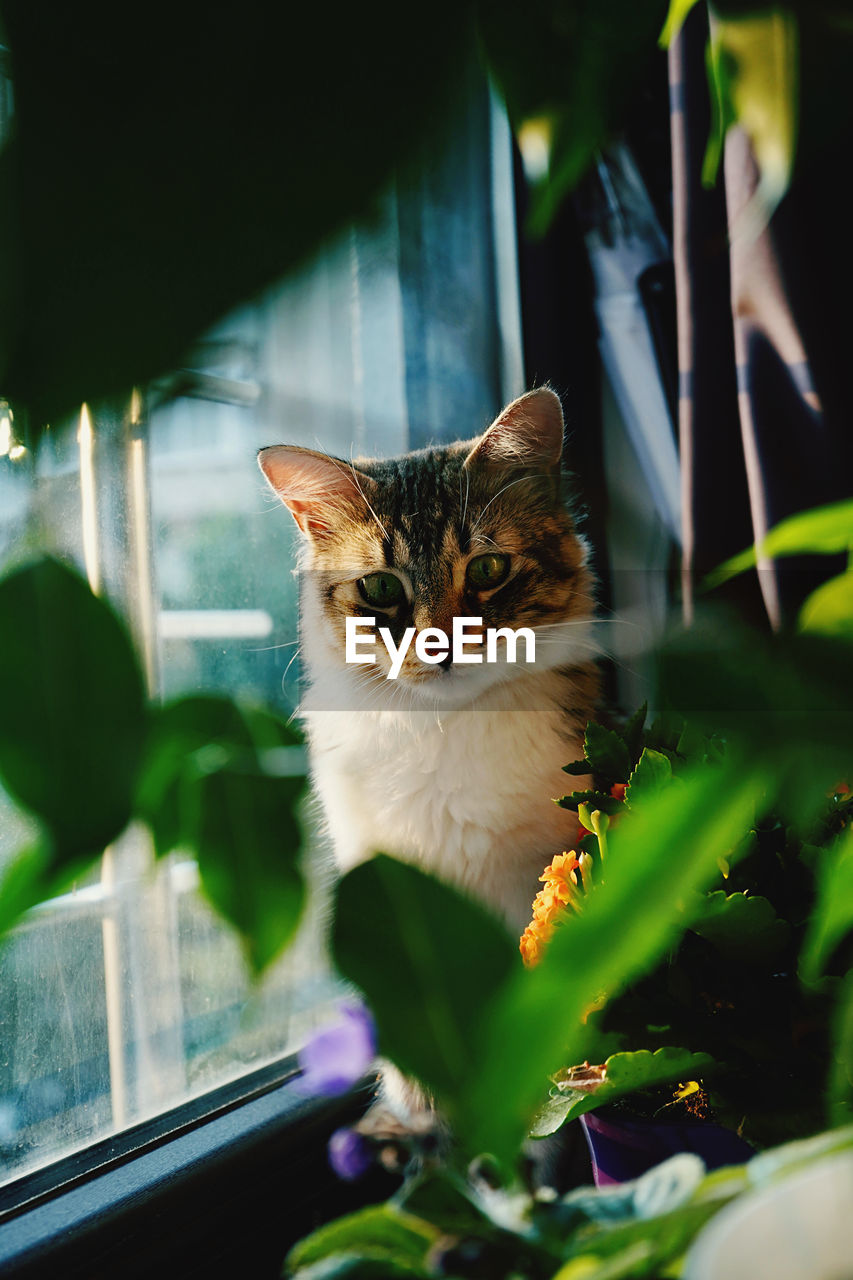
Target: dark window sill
x=200 y=1194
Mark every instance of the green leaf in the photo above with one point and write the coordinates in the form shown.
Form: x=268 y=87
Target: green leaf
x=248 y=840
x=428 y=960
x=822 y=530
x=443 y=1199
x=607 y=753
x=194 y=736
x=593 y=800
x=566 y=72
x=742 y=926
x=625 y=1073
x=72 y=711
x=754 y=73
x=578 y=768
x=832 y=917
x=652 y=774
x=232 y=161
x=633 y=732
x=669 y=849
x=840 y=1099
x=763 y=694
x=829 y=609
x=678 y=11
x=380 y=1232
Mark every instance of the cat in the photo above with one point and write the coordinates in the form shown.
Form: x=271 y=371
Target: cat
x=452 y=766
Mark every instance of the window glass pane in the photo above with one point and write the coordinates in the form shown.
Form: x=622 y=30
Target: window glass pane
x=127 y=996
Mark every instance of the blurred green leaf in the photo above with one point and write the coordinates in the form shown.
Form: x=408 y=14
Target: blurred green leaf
x=832 y=917
x=669 y=849
x=72 y=710
x=822 y=530
x=247 y=842
x=160 y=175
x=678 y=11
x=567 y=73
x=652 y=773
x=625 y=1073
x=829 y=609
x=765 y=694
x=428 y=960
x=840 y=1091
x=742 y=926
x=607 y=753
x=380 y=1233
x=754 y=71
x=194 y=736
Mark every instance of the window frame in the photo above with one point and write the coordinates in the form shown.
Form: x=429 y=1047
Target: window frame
x=238 y=1173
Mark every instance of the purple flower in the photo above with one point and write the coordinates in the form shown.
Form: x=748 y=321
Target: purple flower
x=337 y=1057
x=349 y=1154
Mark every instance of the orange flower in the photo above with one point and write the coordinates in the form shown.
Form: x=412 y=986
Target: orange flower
x=560 y=882
x=562 y=867
x=618 y=790
x=533 y=941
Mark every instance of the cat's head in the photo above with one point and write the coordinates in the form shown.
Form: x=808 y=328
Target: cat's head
x=474 y=529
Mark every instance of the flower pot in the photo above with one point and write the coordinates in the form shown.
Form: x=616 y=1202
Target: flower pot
x=622 y=1147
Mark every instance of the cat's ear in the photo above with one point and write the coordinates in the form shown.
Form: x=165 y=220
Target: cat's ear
x=527 y=433
x=319 y=491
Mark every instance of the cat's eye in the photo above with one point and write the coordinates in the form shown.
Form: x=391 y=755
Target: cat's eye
x=485 y=572
x=382 y=589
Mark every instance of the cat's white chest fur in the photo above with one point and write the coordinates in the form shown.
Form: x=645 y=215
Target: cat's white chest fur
x=467 y=794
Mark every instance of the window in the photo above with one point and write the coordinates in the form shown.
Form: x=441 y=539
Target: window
x=127 y=997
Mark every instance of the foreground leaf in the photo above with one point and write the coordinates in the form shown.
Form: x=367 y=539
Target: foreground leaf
x=537 y=1023
x=832 y=917
x=829 y=609
x=72 y=710
x=428 y=961
x=822 y=530
x=271 y=126
x=378 y=1233
x=248 y=841
x=194 y=736
x=566 y=72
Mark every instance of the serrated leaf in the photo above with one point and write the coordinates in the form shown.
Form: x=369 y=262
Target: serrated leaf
x=742 y=926
x=429 y=961
x=607 y=753
x=633 y=732
x=380 y=1232
x=652 y=774
x=72 y=708
x=593 y=799
x=578 y=768
x=832 y=916
x=624 y=1073
x=248 y=841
